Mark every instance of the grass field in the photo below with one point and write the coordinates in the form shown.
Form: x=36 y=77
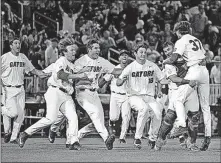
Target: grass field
x=94 y=150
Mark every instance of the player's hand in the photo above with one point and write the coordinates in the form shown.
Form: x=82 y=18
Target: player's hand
x=160 y=94
x=193 y=83
x=125 y=78
x=84 y=76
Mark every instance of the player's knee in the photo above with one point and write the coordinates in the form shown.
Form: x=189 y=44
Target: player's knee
x=13 y=114
x=170 y=117
x=194 y=118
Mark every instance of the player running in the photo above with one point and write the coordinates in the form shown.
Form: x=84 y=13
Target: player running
x=192 y=51
x=13 y=67
x=140 y=77
x=191 y=103
x=86 y=92
x=58 y=96
x=118 y=100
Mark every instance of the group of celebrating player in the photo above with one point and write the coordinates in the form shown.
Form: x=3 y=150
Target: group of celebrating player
x=132 y=87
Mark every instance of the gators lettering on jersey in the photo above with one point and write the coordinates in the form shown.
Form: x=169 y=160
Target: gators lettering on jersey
x=96 y=68
x=141 y=78
x=191 y=49
x=14 y=67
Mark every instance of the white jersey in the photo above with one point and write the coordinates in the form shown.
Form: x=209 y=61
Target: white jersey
x=142 y=78
x=169 y=71
x=113 y=85
x=97 y=67
x=191 y=49
x=14 y=67
x=68 y=67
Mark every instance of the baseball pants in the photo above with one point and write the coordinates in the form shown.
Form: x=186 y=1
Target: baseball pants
x=201 y=75
x=13 y=100
x=119 y=104
x=56 y=125
x=155 y=119
x=56 y=101
x=91 y=103
x=140 y=104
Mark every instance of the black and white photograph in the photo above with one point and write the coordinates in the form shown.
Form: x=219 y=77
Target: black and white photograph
x=110 y=80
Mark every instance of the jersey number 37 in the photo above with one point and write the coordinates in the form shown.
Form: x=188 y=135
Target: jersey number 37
x=196 y=44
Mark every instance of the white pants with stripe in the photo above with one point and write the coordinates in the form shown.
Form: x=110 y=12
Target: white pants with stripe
x=58 y=102
x=201 y=75
x=13 y=100
x=91 y=103
x=148 y=108
x=119 y=104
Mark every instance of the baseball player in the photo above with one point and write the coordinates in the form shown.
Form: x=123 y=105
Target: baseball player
x=118 y=99
x=86 y=93
x=191 y=103
x=13 y=67
x=192 y=51
x=140 y=77
x=58 y=96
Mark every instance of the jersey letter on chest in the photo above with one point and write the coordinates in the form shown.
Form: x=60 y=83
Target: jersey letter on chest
x=17 y=64
x=142 y=73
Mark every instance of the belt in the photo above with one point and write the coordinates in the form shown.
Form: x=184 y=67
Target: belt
x=61 y=89
x=16 y=86
x=83 y=89
x=119 y=93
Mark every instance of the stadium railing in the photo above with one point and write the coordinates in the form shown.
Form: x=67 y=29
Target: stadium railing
x=45 y=18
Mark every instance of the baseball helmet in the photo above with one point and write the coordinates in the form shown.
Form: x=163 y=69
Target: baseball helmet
x=183 y=27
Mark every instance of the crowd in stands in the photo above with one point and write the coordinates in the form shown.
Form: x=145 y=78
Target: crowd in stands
x=116 y=24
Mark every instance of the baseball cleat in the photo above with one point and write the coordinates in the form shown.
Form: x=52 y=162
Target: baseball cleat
x=151 y=144
x=137 y=143
x=7 y=137
x=179 y=131
x=14 y=141
x=51 y=136
x=193 y=147
x=122 y=141
x=109 y=142
x=22 y=138
x=205 y=143
x=182 y=141
x=159 y=143
x=75 y=146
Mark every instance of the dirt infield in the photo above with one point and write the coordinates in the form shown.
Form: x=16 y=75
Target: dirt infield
x=94 y=150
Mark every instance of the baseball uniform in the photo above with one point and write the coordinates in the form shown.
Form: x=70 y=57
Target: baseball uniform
x=88 y=97
x=141 y=90
x=119 y=104
x=192 y=51
x=13 y=69
x=191 y=103
x=58 y=100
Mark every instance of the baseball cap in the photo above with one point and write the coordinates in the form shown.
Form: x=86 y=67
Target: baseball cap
x=123 y=52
